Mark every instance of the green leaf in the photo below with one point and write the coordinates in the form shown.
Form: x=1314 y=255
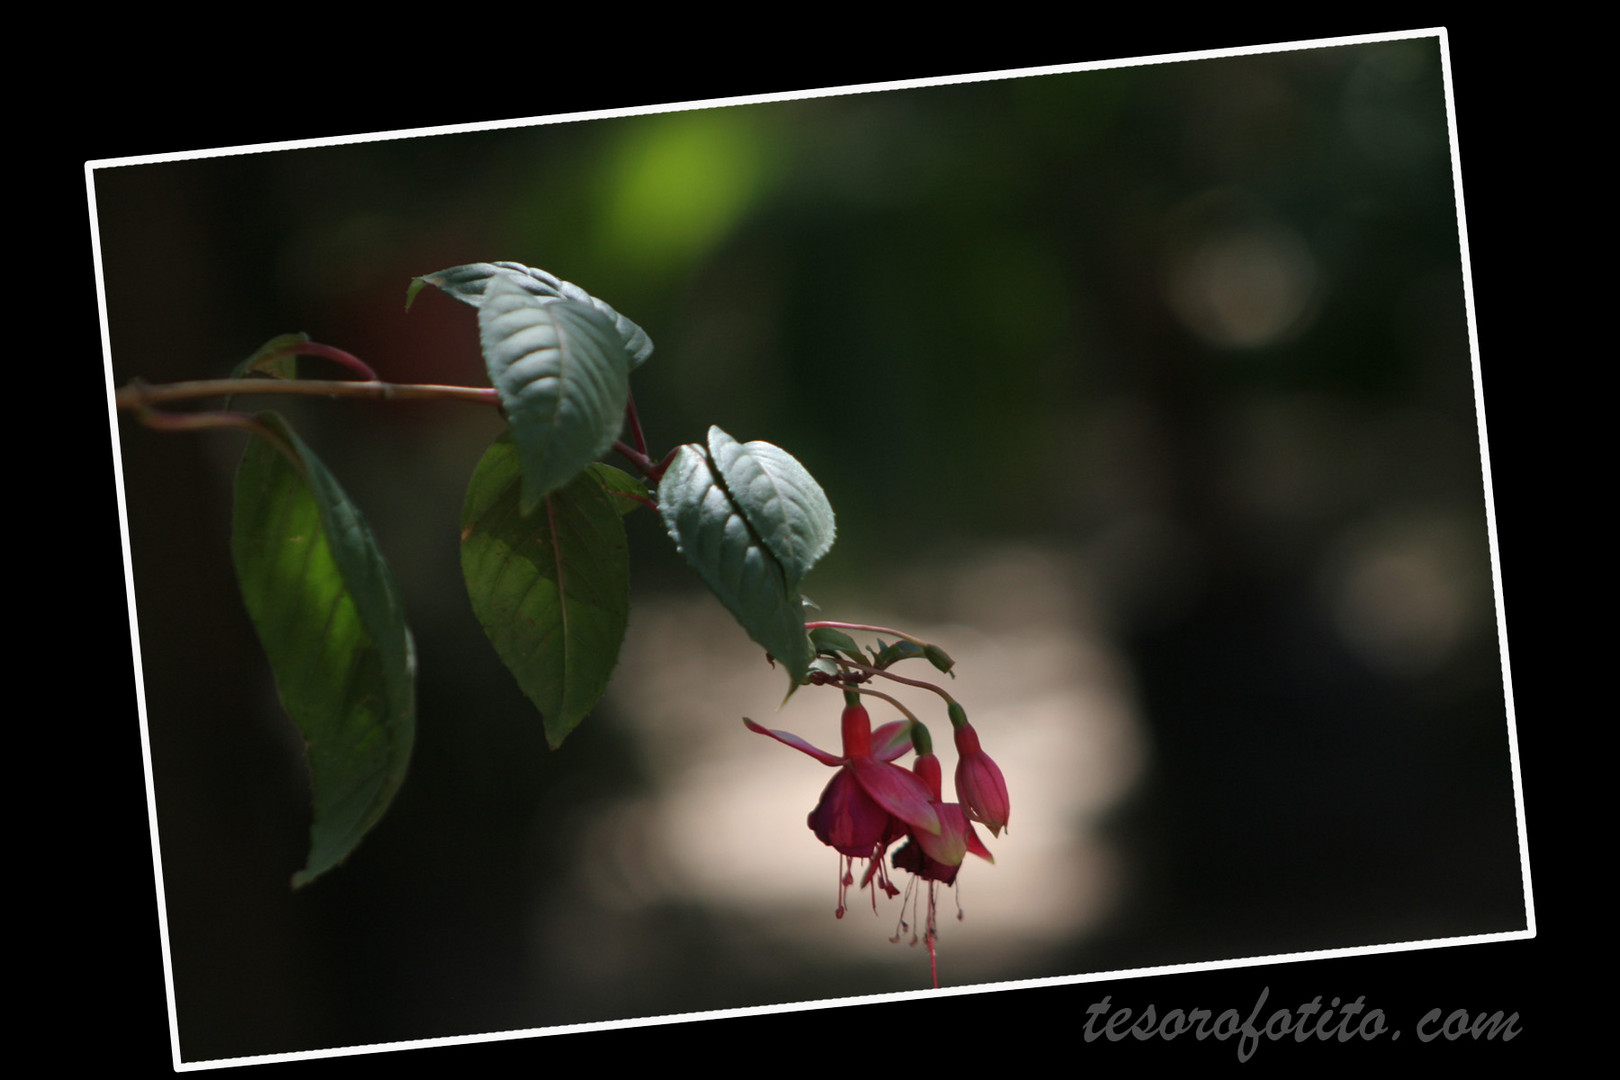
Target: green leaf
x=828 y=640
x=329 y=616
x=884 y=655
x=552 y=589
x=562 y=377
x=738 y=568
x=469 y=284
x=826 y=665
x=621 y=485
x=781 y=500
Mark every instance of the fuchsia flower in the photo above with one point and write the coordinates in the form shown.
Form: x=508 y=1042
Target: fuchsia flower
x=979 y=783
x=938 y=857
x=870 y=802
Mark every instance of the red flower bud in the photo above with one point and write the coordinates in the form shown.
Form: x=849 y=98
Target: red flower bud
x=979 y=783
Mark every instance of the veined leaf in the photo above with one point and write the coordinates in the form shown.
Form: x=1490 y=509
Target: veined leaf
x=620 y=487
x=781 y=500
x=713 y=534
x=469 y=284
x=828 y=640
x=885 y=655
x=552 y=589
x=329 y=616
x=562 y=377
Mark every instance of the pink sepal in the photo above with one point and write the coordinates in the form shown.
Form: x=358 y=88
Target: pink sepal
x=797 y=744
x=975 y=845
x=951 y=844
x=891 y=740
x=897 y=791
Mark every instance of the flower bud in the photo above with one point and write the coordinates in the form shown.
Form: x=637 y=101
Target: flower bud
x=979 y=783
x=857 y=730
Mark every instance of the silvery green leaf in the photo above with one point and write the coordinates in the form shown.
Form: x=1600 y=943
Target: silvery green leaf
x=562 y=378
x=469 y=284
x=713 y=535
x=781 y=500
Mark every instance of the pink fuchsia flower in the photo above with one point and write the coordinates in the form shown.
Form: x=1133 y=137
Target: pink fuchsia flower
x=939 y=857
x=870 y=802
x=979 y=783
x=936 y=859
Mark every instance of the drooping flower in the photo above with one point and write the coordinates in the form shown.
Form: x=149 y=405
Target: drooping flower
x=938 y=857
x=979 y=783
x=870 y=802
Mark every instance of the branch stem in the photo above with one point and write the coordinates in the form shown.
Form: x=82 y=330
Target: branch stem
x=652 y=470
x=869 y=670
x=199 y=421
x=634 y=418
x=331 y=352
x=892 y=701
x=138 y=394
x=636 y=457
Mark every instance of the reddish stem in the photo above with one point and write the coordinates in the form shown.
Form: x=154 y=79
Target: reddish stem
x=892 y=701
x=331 y=352
x=138 y=395
x=199 y=421
x=656 y=472
x=635 y=424
x=641 y=461
x=868 y=669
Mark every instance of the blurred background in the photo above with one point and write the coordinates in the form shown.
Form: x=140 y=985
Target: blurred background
x=1145 y=392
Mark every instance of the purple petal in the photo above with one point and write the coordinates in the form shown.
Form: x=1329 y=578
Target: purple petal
x=897 y=791
x=848 y=819
x=797 y=743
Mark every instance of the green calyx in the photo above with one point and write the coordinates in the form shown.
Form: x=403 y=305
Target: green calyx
x=921 y=741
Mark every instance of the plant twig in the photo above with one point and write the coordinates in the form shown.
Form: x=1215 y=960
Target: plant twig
x=868 y=669
x=635 y=424
x=138 y=394
x=198 y=421
x=892 y=701
x=330 y=352
x=636 y=457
